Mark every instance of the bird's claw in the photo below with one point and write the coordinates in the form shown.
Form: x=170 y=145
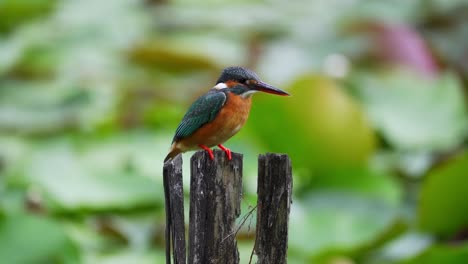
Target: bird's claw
x=227 y=151
x=210 y=151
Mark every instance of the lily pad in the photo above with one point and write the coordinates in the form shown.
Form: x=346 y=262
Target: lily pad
x=17 y=12
x=337 y=221
x=414 y=113
x=70 y=182
x=443 y=209
x=447 y=254
x=32 y=239
x=320 y=125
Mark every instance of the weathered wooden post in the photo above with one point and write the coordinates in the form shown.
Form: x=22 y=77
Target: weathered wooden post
x=215 y=196
x=274 y=192
x=174 y=197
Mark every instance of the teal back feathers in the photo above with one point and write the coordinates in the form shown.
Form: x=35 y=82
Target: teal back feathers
x=202 y=111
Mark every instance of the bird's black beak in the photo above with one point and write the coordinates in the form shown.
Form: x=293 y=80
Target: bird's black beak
x=266 y=88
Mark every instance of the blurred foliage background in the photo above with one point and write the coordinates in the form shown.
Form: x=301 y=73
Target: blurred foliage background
x=92 y=91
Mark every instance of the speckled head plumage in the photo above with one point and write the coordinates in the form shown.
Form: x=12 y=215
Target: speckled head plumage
x=236 y=73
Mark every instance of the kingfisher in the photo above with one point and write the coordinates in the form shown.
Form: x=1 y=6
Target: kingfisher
x=220 y=113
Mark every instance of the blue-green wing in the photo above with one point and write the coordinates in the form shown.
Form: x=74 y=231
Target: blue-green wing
x=202 y=111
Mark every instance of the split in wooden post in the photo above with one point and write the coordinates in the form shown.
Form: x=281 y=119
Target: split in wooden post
x=215 y=195
x=274 y=192
x=174 y=198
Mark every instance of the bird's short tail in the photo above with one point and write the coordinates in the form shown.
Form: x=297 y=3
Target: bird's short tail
x=174 y=152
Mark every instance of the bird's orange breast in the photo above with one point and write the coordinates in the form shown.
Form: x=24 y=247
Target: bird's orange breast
x=230 y=119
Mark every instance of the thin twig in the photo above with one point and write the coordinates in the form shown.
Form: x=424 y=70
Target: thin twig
x=252 y=253
x=241 y=224
x=250 y=223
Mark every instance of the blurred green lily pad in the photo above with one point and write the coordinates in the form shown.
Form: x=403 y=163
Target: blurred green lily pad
x=361 y=181
x=443 y=208
x=73 y=180
x=447 y=254
x=38 y=62
x=17 y=12
x=48 y=108
x=127 y=256
x=330 y=221
x=32 y=239
x=320 y=125
x=162 y=55
x=413 y=113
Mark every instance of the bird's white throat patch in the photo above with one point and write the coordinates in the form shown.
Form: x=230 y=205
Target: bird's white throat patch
x=220 y=86
x=248 y=93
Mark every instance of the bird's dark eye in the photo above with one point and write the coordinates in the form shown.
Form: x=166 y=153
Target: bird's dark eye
x=243 y=81
x=250 y=82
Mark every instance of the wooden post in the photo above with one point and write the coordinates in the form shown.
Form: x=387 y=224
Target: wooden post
x=274 y=192
x=174 y=198
x=215 y=195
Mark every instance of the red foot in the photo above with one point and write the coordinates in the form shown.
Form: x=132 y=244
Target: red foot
x=228 y=151
x=210 y=152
